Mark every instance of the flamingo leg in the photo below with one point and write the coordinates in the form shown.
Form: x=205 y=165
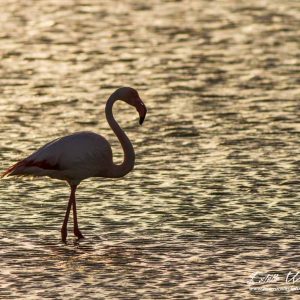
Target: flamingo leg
x=76 y=228
x=64 y=231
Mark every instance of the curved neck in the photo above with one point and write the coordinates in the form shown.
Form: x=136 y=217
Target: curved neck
x=129 y=155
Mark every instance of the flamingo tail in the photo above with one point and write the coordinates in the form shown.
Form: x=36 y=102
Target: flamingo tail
x=13 y=169
x=29 y=167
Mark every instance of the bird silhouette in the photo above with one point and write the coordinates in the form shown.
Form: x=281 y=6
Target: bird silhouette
x=81 y=155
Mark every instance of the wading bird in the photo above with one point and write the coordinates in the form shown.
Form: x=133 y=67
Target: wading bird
x=81 y=155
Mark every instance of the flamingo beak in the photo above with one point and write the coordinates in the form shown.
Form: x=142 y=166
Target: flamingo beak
x=142 y=110
x=142 y=120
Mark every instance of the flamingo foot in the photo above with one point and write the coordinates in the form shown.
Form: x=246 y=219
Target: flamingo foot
x=64 y=234
x=78 y=233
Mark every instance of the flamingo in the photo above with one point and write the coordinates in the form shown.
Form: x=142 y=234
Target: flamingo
x=81 y=155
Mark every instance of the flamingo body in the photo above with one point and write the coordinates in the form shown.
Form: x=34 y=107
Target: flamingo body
x=72 y=158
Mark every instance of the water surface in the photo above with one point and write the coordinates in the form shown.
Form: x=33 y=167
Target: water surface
x=214 y=196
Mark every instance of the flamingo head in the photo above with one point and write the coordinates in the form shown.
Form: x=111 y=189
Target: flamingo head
x=131 y=96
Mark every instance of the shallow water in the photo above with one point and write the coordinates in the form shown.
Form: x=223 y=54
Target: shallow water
x=214 y=196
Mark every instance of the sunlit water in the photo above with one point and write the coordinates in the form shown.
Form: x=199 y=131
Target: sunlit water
x=214 y=195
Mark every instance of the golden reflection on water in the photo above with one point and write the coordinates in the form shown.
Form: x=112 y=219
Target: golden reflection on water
x=214 y=194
